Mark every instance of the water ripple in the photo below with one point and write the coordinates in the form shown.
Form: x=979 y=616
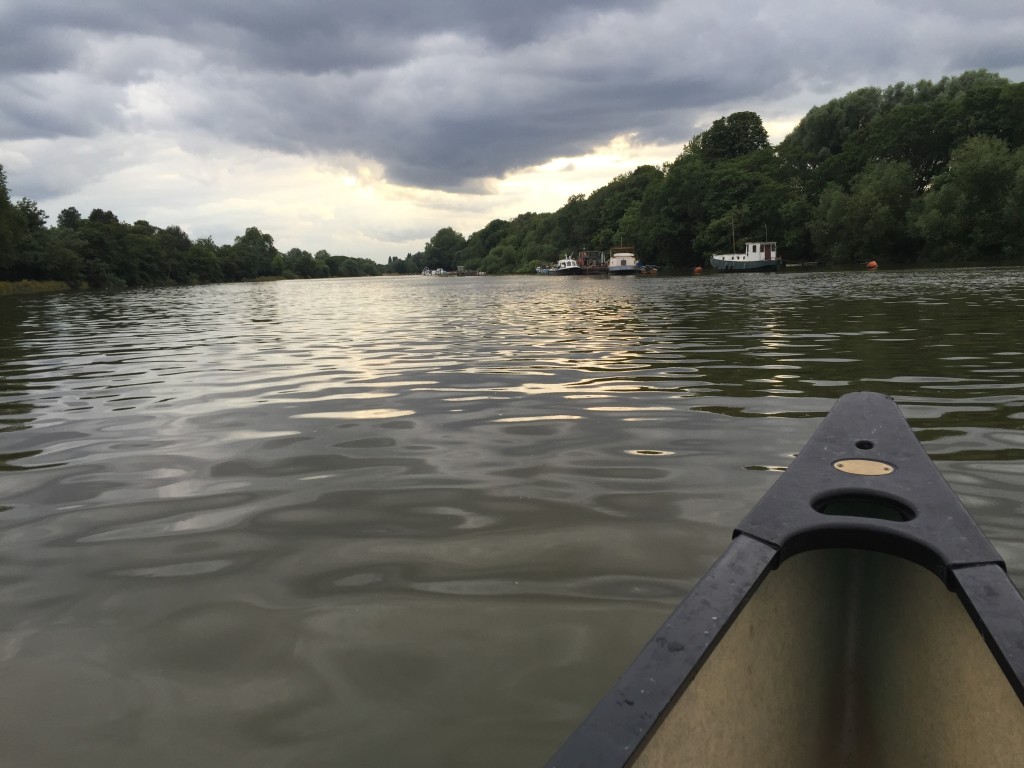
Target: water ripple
x=282 y=523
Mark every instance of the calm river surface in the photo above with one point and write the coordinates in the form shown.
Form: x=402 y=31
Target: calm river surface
x=424 y=521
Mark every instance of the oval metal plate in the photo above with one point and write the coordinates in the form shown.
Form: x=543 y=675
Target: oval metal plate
x=864 y=467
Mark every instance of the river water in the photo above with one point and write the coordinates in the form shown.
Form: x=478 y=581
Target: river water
x=426 y=521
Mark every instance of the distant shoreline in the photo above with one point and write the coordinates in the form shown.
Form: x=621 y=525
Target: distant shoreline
x=18 y=287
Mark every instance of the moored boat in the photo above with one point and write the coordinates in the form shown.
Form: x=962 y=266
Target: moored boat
x=565 y=266
x=761 y=256
x=623 y=261
x=858 y=618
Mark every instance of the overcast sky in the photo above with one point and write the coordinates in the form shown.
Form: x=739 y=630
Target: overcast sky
x=363 y=127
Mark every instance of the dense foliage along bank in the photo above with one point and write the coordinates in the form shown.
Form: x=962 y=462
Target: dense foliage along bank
x=99 y=251
x=922 y=173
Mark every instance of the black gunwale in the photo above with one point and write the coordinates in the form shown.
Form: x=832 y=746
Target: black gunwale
x=940 y=535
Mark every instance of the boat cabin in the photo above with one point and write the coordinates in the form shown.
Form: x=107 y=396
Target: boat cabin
x=761 y=251
x=768 y=251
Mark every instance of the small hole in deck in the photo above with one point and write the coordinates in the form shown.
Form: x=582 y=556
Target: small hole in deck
x=865 y=445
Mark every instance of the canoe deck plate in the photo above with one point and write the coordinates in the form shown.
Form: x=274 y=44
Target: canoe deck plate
x=865 y=467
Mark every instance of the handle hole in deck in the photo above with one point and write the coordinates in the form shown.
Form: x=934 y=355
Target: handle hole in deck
x=865 y=445
x=870 y=507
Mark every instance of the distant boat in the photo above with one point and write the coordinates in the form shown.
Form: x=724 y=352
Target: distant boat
x=758 y=257
x=622 y=261
x=566 y=266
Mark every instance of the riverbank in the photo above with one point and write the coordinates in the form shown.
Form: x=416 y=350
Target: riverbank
x=8 y=288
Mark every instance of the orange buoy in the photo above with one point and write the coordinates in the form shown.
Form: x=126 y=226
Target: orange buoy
x=872 y=265
x=697 y=270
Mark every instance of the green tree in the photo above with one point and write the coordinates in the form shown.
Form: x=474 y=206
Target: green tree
x=738 y=134
x=443 y=248
x=106 y=260
x=825 y=130
x=629 y=226
x=63 y=259
x=69 y=218
x=29 y=258
x=174 y=246
x=481 y=243
x=501 y=259
x=575 y=222
x=870 y=221
x=33 y=216
x=673 y=211
x=203 y=261
x=323 y=262
x=969 y=214
x=299 y=263
x=11 y=229
x=252 y=255
x=606 y=207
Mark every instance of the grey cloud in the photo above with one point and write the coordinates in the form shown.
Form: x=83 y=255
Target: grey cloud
x=307 y=36
x=449 y=92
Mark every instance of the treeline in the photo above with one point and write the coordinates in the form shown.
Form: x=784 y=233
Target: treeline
x=912 y=174
x=922 y=173
x=99 y=251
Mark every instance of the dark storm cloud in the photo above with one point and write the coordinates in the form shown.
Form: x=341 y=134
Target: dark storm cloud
x=447 y=92
x=308 y=36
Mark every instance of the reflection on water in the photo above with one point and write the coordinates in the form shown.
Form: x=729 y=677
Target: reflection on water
x=425 y=522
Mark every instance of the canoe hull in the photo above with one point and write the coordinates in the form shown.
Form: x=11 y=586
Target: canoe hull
x=831 y=662
x=876 y=633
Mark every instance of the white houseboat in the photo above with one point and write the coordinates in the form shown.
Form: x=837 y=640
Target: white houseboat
x=622 y=261
x=761 y=256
